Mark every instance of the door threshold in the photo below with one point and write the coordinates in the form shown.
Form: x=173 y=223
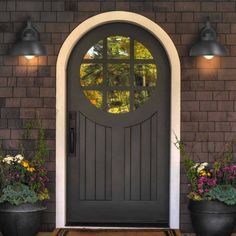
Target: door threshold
x=114 y=230
x=130 y=225
x=105 y=228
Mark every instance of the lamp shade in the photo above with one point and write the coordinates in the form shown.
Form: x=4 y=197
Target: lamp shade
x=29 y=43
x=207 y=44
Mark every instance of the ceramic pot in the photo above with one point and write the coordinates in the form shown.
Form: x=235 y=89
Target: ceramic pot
x=212 y=218
x=22 y=220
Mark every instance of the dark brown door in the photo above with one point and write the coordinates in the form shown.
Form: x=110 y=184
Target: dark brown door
x=118 y=128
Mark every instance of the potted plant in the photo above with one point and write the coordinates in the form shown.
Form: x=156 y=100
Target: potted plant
x=212 y=193
x=22 y=191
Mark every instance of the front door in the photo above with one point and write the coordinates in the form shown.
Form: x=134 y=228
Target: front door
x=118 y=128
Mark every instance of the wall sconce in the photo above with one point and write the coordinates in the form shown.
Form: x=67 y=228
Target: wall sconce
x=208 y=46
x=29 y=44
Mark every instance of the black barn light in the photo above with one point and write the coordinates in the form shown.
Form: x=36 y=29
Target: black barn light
x=207 y=45
x=29 y=44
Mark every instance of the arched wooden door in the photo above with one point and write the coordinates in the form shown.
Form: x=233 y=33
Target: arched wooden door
x=118 y=128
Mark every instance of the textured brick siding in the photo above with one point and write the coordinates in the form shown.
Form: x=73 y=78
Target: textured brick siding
x=27 y=88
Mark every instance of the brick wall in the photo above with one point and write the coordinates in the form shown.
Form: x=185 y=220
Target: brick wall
x=27 y=88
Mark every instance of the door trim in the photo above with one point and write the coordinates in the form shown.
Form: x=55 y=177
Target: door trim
x=61 y=73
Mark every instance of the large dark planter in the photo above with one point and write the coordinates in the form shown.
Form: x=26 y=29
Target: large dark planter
x=212 y=218
x=23 y=220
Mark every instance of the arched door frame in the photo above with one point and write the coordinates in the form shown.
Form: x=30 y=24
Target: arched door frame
x=61 y=75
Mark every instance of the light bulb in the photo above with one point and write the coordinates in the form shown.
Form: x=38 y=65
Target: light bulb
x=209 y=57
x=29 y=57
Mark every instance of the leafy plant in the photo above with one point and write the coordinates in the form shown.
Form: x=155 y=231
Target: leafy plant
x=216 y=181
x=223 y=193
x=21 y=177
x=17 y=194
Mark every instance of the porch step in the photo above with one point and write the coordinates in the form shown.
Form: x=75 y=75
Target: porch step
x=115 y=232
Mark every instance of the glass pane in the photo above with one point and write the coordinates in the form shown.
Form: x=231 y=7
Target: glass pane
x=118 y=74
x=145 y=75
x=95 y=52
x=91 y=74
x=118 y=47
x=141 y=52
x=140 y=97
x=118 y=101
x=95 y=97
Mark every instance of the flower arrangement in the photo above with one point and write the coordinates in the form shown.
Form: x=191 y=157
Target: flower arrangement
x=23 y=180
x=215 y=181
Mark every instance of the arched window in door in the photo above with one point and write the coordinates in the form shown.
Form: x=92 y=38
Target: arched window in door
x=118 y=74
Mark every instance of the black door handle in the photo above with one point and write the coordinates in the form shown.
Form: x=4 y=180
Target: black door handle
x=72 y=140
x=72 y=134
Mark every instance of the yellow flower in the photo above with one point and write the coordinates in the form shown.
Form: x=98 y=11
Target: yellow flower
x=25 y=164
x=31 y=169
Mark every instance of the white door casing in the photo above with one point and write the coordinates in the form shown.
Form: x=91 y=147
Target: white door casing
x=61 y=77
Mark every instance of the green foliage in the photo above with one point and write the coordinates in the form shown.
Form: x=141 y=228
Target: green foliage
x=223 y=193
x=228 y=153
x=24 y=180
x=188 y=164
x=42 y=150
x=216 y=181
x=17 y=194
x=44 y=195
x=27 y=129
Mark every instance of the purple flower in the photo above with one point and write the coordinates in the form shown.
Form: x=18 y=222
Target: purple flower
x=199 y=185
x=226 y=168
x=231 y=177
x=219 y=173
x=200 y=190
x=211 y=182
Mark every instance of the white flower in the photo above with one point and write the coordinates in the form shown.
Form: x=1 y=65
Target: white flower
x=195 y=166
x=202 y=166
x=19 y=158
x=8 y=159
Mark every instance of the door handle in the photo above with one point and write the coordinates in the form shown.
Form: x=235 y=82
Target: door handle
x=72 y=140
x=72 y=133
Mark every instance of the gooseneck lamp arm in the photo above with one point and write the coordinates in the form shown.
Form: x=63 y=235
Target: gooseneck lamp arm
x=29 y=44
x=207 y=45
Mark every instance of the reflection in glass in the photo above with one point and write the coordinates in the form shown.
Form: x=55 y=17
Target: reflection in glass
x=140 y=97
x=145 y=75
x=118 y=74
x=91 y=74
x=118 y=102
x=141 y=52
x=95 y=97
x=118 y=47
x=95 y=52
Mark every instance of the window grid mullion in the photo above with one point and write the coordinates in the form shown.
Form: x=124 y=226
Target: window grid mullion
x=119 y=61
x=105 y=79
x=131 y=89
x=104 y=88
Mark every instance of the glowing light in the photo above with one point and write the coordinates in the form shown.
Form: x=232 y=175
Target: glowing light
x=209 y=57
x=29 y=57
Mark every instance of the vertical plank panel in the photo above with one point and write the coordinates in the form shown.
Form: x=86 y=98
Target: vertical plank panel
x=90 y=160
x=127 y=164
x=108 y=164
x=100 y=162
x=135 y=163
x=82 y=160
x=145 y=161
x=118 y=162
x=73 y=165
x=154 y=157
